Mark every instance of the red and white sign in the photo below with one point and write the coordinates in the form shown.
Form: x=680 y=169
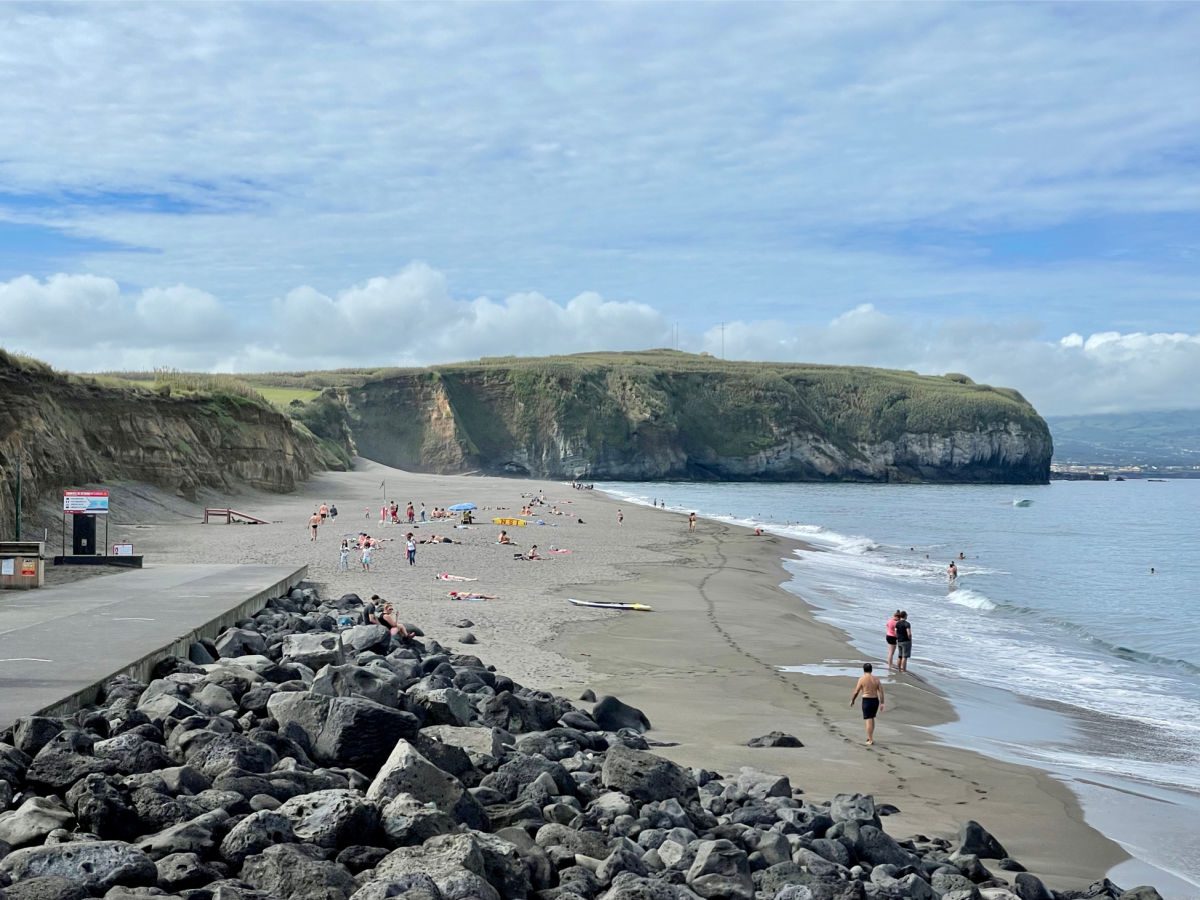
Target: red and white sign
x=93 y=502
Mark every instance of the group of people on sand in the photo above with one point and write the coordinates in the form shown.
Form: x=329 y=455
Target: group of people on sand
x=326 y=512
x=899 y=636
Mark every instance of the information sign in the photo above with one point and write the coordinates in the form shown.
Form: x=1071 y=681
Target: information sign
x=122 y=550
x=93 y=502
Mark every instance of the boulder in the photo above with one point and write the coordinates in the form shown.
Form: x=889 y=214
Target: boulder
x=32 y=733
x=98 y=865
x=877 y=847
x=103 y=807
x=761 y=785
x=373 y=683
x=254 y=834
x=417 y=886
x=1030 y=887
x=362 y=638
x=342 y=731
x=30 y=822
x=234 y=642
x=720 y=870
x=858 y=808
x=292 y=872
x=406 y=771
x=133 y=753
x=196 y=835
x=183 y=871
x=973 y=838
x=54 y=771
x=443 y=706
x=231 y=751
x=314 y=649
x=775 y=739
x=46 y=887
x=613 y=715
x=455 y=862
x=629 y=886
x=408 y=821
x=359 y=733
x=484 y=746
x=646 y=777
x=331 y=818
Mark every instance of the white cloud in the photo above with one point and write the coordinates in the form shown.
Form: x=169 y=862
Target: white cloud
x=1104 y=372
x=691 y=155
x=87 y=323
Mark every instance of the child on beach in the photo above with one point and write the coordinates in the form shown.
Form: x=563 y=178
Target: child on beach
x=344 y=556
x=620 y=517
x=366 y=558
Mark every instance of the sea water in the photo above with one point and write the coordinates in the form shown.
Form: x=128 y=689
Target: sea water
x=1057 y=643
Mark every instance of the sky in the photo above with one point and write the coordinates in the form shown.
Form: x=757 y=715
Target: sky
x=1006 y=191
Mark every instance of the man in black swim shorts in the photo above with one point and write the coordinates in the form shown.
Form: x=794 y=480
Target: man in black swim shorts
x=871 y=689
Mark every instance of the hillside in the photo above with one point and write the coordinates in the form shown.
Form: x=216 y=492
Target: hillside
x=72 y=430
x=1156 y=438
x=670 y=415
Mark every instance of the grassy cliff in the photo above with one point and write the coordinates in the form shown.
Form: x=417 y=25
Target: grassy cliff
x=664 y=414
x=66 y=430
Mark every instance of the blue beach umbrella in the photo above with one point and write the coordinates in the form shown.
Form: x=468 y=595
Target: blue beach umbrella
x=462 y=507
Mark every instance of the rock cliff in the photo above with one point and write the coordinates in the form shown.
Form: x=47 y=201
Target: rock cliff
x=71 y=431
x=668 y=415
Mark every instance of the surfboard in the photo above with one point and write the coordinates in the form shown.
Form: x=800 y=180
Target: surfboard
x=601 y=604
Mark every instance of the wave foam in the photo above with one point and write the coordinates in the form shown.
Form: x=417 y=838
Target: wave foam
x=971 y=599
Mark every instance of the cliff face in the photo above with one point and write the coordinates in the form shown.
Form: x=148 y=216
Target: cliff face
x=70 y=431
x=674 y=416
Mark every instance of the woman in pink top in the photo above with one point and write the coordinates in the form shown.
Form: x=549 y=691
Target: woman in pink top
x=891 y=636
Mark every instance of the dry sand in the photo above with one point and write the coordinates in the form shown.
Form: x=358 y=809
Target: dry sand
x=703 y=665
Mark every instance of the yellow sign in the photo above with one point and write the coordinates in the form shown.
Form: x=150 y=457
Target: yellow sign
x=511 y=523
x=28 y=567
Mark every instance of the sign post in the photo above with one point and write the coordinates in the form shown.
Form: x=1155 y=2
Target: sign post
x=83 y=507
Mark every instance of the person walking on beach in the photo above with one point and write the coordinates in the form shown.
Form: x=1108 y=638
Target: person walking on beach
x=411 y=547
x=332 y=511
x=691 y=523
x=890 y=636
x=314 y=522
x=424 y=514
x=324 y=511
x=871 y=689
x=904 y=639
x=620 y=517
x=344 y=556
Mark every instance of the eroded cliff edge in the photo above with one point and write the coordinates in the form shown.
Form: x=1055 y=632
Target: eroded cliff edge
x=71 y=431
x=669 y=415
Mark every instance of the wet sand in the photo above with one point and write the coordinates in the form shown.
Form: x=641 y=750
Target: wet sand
x=703 y=665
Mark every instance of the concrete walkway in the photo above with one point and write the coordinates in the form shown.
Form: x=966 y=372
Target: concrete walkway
x=58 y=644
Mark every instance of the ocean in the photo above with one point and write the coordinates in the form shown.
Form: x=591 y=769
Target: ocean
x=1058 y=645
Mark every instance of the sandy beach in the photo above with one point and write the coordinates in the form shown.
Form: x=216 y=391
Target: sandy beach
x=703 y=666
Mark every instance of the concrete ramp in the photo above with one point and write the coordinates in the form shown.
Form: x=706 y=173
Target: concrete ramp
x=58 y=644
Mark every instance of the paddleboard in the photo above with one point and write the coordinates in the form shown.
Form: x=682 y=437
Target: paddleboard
x=601 y=604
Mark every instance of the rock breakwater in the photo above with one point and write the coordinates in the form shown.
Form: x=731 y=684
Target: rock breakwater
x=306 y=755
